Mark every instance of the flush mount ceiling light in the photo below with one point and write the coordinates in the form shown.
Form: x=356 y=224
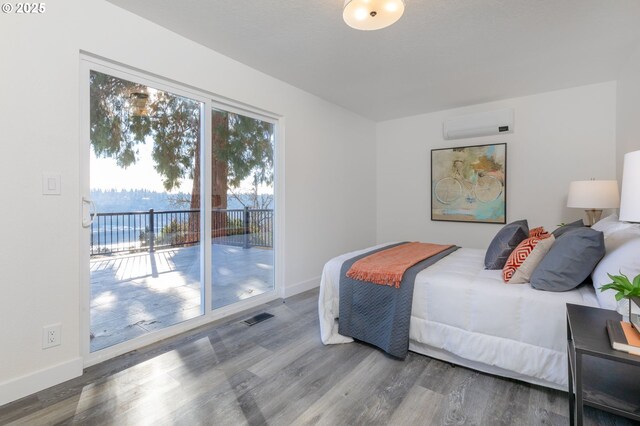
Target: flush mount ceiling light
x=372 y=14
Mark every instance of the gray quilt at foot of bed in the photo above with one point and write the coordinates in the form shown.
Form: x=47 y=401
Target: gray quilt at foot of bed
x=380 y=314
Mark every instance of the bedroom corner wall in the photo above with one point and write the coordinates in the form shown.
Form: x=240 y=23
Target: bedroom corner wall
x=628 y=126
x=329 y=193
x=559 y=137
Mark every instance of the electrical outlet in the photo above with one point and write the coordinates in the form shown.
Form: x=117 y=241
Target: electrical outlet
x=51 y=336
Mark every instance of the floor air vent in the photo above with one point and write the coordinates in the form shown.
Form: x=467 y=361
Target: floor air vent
x=258 y=318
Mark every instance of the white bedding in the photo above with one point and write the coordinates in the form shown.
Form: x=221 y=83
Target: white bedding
x=465 y=314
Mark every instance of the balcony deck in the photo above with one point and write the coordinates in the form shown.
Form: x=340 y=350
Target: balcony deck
x=132 y=294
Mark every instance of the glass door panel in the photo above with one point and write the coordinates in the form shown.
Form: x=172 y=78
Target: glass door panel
x=242 y=200
x=145 y=182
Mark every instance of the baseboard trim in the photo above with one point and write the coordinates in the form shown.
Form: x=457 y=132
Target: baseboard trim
x=300 y=287
x=14 y=389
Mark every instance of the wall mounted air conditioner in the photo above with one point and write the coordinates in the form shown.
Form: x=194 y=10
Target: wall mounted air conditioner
x=480 y=124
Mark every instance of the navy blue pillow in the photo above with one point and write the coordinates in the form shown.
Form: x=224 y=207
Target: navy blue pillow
x=505 y=241
x=572 y=258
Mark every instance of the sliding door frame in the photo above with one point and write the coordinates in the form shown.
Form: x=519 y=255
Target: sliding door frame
x=208 y=101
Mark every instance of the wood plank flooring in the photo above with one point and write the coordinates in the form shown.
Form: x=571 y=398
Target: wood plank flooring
x=278 y=372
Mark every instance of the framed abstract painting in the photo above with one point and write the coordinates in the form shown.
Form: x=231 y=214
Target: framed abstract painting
x=469 y=184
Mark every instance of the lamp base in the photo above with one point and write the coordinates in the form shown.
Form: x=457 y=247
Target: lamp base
x=593 y=216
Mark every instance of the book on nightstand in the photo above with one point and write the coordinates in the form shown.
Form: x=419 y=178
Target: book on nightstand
x=623 y=337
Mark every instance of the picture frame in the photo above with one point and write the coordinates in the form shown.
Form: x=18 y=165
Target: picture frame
x=469 y=184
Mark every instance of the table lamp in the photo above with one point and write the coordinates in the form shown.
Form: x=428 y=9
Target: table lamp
x=630 y=198
x=593 y=196
x=630 y=212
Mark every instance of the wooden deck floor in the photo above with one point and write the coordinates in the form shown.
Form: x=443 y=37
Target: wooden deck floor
x=136 y=293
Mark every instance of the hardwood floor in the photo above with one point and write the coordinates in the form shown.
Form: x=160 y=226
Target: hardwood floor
x=278 y=372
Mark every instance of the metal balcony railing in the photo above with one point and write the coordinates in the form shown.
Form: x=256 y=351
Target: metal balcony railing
x=151 y=230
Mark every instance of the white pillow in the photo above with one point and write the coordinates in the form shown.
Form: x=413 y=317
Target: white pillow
x=611 y=224
x=604 y=222
x=623 y=255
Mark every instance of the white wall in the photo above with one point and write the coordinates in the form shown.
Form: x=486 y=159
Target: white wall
x=559 y=137
x=628 y=109
x=328 y=180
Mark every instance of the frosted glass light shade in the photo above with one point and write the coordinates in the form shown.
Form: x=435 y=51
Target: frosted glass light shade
x=593 y=194
x=630 y=199
x=372 y=14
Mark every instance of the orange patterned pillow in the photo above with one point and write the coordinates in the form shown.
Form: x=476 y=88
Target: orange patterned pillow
x=524 y=272
x=538 y=232
x=520 y=254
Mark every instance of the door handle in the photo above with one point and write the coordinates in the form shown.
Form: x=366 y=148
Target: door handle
x=88 y=221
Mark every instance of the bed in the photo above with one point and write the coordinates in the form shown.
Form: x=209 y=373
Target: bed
x=465 y=314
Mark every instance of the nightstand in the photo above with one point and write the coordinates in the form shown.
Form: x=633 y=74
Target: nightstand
x=600 y=376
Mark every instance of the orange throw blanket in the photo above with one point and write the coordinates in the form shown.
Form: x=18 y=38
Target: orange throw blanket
x=387 y=267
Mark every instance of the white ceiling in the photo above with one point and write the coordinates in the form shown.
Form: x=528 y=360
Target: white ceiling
x=440 y=54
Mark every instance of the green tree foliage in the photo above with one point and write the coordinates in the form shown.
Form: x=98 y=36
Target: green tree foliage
x=173 y=124
x=248 y=151
x=115 y=132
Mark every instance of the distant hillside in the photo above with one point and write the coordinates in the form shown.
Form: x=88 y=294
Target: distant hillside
x=118 y=201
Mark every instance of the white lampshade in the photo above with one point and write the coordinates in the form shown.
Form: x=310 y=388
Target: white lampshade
x=630 y=199
x=372 y=14
x=593 y=194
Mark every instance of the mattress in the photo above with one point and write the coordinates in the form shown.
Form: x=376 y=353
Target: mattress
x=465 y=314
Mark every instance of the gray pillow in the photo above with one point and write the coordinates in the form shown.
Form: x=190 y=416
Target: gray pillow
x=505 y=241
x=571 y=259
x=562 y=229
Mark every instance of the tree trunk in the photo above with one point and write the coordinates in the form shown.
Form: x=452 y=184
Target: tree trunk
x=219 y=172
x=194 y=218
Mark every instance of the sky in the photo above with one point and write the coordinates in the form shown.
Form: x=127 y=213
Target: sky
x=106 y=174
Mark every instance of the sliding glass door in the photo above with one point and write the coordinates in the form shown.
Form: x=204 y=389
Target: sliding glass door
x=242 y=200
x=178 y=208
x=145 y=234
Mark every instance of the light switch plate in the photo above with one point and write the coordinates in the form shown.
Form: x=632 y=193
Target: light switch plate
x=51 y=184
